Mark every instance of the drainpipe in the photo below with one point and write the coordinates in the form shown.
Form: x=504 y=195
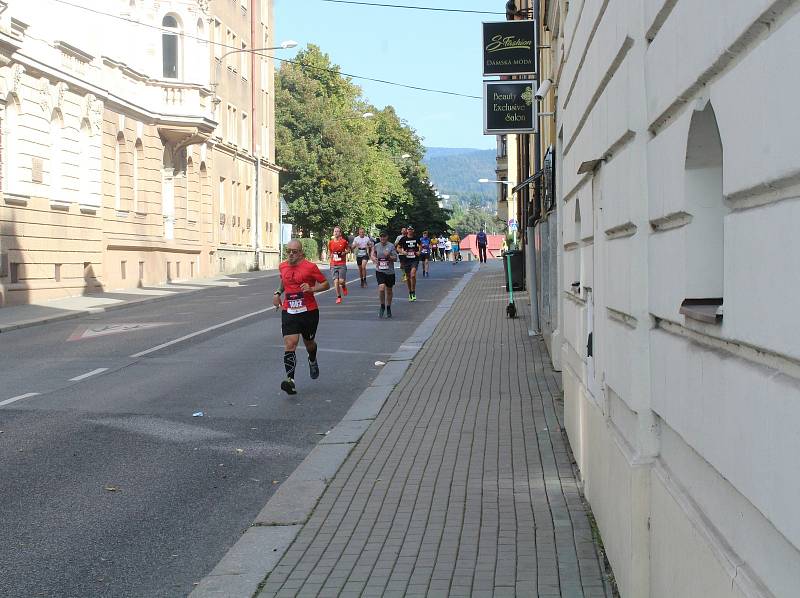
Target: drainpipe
x=531 y=226
x=256 y=159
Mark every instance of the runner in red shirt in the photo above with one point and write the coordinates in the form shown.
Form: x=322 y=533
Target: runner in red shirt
x=300 y=279
x=338 y=247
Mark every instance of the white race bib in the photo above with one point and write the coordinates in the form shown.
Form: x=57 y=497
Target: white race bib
x=383 y=264
x=410 y=253
x=337 y=257
x=296 y=303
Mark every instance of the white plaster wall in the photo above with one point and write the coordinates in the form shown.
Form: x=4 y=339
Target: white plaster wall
x=738 y=416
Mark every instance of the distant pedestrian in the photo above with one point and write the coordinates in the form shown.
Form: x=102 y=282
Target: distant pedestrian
x=434 y=248
x=425 y=253
x=300 y=279
x=483 y=242
x=362 y=245
x=448 y=248
x=442 y=243
x=410 y=248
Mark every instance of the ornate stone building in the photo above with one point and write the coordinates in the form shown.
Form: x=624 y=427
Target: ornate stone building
x=119 y=166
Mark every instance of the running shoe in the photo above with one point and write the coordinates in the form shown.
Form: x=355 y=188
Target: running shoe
x=313 y=369
x=404 y=277
x=344 y=291
x=381 y=311
x=413 y=296
x=338 y=300
x=388 y=311
x=287 y=386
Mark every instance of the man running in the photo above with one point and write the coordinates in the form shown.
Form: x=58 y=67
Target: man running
x=337 y=249
x=410 y=248
x=434 y=248
x=425 y=253
x=300 y=279
x=362 y=246
x=384 y=255
x=442 y=243
x=402 y=256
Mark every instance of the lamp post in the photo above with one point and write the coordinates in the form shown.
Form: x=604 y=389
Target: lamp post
x=285 y=45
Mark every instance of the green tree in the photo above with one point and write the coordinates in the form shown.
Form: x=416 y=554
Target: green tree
x=472 y=219
x=335 y=173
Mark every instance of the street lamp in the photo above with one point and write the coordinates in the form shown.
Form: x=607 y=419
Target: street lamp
x=511 y=184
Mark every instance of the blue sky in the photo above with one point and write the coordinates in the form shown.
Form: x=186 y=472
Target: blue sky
x=428 y=49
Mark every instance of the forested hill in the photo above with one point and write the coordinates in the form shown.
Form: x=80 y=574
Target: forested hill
x=455 y=172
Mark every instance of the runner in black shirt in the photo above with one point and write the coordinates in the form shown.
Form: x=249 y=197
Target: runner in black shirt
x=410 y=247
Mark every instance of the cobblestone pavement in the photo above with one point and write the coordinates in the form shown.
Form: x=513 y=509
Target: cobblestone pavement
x=463 y=486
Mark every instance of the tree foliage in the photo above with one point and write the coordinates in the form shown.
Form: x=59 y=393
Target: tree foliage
x=340 y=168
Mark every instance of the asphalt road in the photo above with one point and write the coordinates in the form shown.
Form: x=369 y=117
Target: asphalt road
x=108 y=484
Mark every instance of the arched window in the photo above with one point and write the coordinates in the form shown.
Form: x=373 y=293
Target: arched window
x=170 y=47
x=56 y=155
x=706 y=204
x=119 y=148
x=138 y=179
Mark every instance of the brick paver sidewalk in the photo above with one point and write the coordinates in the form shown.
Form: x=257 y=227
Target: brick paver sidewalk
x=463 y=486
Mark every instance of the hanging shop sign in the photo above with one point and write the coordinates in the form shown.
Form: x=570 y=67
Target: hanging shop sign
x=509 y=107
x=509 y=48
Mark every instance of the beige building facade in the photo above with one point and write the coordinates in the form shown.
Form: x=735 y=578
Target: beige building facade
x=116 y=171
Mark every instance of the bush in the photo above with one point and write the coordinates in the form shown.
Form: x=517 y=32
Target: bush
x=311 y=248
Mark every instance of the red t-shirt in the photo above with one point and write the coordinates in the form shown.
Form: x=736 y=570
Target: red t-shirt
x=296 y=301
x=338 y=251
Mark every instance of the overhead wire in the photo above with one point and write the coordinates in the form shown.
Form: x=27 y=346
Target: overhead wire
x=410 y=7
x=286 y=60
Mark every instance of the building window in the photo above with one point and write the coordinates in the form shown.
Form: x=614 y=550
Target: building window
x=705 y=234
x=56 y=155
x=170 y=47
x=11 y=146
x=138 y=179
x=85 y=163
x=218 y=41
x=118 y=149
x=245 y=133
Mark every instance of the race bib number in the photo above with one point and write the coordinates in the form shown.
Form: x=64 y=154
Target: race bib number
x=362 y=252
x=424 y=251
x=296 y=303
x=410 y=253
x=337 y=257
x=383 y=264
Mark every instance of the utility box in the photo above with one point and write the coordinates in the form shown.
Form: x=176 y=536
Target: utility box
x=517 y=269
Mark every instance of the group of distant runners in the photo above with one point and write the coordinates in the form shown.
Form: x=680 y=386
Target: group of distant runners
x=300 y=279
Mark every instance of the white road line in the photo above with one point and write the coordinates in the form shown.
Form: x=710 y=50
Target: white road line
x=88 y=375
x=216 y=327
x=18 y=398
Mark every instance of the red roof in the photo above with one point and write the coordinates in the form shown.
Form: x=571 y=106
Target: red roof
x=493 y=247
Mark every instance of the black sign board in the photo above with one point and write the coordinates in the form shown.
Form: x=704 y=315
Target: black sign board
x=509 y=107
x=509 y=48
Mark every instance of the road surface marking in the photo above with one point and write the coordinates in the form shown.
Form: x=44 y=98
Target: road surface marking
x=88 y=374
x=210 y=328
x=199 y=332
x=18 y=398
x=120 y=328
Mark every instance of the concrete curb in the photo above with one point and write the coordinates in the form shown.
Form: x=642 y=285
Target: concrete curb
x=239 y=574
x=77 y=313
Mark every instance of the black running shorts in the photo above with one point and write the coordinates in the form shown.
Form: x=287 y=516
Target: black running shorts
x=409 y=264
x=384 y=278
x=304 y=324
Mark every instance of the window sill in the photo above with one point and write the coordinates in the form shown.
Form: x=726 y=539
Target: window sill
x=16 y=199
x=121 y=213
x=88 y=208
x=708 y=310
x=138 y=214
x=61 y=205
